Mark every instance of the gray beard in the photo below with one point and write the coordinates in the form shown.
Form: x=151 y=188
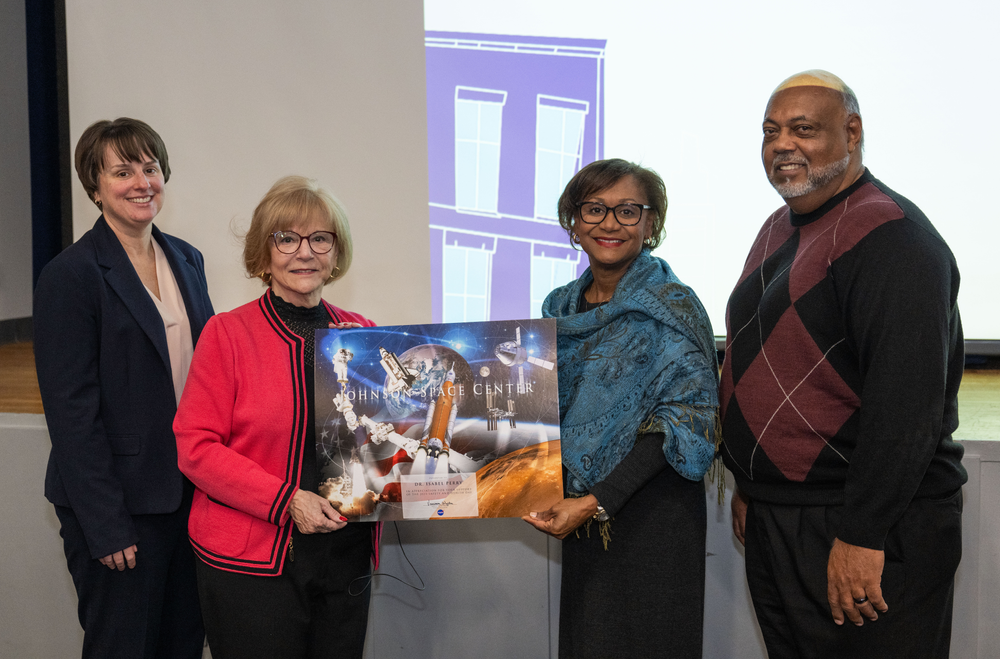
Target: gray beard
x=816 y=178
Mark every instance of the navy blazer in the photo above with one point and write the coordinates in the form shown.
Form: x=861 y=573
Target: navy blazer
x=104 y=374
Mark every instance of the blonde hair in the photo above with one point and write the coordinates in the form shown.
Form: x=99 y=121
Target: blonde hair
x=290 y=200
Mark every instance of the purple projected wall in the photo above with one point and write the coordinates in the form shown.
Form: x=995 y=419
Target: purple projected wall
x=509 y=121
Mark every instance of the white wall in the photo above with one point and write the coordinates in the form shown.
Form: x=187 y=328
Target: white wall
x=246 y=91
x=15 y=168
x=38 y=605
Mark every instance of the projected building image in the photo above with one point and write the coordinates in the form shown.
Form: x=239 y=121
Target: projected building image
x=509 y=121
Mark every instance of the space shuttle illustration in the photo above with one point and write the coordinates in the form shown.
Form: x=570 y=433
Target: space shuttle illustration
x=400 y=377
x=512 y=353
x=438 y=427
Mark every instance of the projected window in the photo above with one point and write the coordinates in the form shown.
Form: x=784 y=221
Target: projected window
x=478 y=117
x=539 y=101
x=559 y=127
x=547 y=273
x=466 y=278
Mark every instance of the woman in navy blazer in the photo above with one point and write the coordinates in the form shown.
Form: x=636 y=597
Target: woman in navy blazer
x=116 y=317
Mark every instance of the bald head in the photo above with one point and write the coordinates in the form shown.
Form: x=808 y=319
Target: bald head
x=821 y=78
x=814 y=78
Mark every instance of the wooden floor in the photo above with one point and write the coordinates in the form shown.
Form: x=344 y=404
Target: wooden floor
x=978 y=399
x=18 y=384
x=979 y=405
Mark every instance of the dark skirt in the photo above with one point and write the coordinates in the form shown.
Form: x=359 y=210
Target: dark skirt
x=645 y=595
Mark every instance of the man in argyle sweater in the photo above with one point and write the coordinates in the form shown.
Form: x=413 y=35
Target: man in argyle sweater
x=839 y=391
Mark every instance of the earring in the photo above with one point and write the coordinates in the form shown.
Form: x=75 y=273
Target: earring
x=99 y=204
x=576 y=238
x=648 y=242
x=265 y=277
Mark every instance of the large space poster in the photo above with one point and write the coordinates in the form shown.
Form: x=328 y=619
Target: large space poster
x=450 y=420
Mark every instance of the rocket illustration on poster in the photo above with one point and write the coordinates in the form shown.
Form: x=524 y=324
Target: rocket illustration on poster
x=441 y=421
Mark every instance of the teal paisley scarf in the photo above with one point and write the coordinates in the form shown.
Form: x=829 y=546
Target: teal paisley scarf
x=643 y=362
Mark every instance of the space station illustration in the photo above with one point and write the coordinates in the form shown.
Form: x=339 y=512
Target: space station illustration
x=440 y=421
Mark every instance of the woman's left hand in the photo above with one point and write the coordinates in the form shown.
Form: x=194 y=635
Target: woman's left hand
x=345 y=325
x=314 y=514
x=564 y=517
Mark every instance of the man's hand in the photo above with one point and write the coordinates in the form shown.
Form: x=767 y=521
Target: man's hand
x=854 y=578
x=739 y=506
x=119 y=559
x=564 y=517
x=314 y=514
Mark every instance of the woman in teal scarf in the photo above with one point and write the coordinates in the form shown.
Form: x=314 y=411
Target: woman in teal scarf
x=638 y=407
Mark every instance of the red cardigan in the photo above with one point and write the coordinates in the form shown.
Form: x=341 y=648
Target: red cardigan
x=241 y=429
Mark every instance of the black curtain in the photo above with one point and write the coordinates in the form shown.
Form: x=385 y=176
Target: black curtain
x=48 y=117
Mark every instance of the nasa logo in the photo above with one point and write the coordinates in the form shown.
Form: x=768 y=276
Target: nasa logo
x=440 y=512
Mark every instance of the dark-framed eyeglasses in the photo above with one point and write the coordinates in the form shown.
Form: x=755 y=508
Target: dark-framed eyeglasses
x=627 y=215
x=320 y=242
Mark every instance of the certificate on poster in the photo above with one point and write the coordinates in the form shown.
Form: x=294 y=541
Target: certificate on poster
x=453 y=420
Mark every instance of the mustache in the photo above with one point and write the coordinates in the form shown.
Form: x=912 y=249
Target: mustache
x=788 y=159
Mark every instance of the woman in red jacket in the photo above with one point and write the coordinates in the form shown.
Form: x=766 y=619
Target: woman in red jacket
x=281 y=572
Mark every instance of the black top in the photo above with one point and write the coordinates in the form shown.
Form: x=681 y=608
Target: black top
x=584 y=306
x=844 y=358
x=304 y=322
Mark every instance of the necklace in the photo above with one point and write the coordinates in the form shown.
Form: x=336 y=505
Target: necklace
x=591 y=292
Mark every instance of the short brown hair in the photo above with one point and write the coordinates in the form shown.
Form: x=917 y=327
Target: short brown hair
x=290 y=200
x=131 y=140
x=601 y=175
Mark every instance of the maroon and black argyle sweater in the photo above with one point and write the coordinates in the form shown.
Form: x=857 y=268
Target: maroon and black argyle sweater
x=844 y=355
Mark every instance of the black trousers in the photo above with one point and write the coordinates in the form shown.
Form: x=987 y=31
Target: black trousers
x=787 y=549
x=150 y=611
x=317 y=607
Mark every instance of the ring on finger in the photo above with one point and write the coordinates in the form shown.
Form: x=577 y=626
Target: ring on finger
x=860 y=600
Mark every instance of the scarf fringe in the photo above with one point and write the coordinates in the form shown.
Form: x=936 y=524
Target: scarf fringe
x=718 y=469
x=603 y=527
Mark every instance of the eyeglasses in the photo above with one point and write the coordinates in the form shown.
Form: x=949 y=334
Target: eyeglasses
x=320 y=242
x=627 y=215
